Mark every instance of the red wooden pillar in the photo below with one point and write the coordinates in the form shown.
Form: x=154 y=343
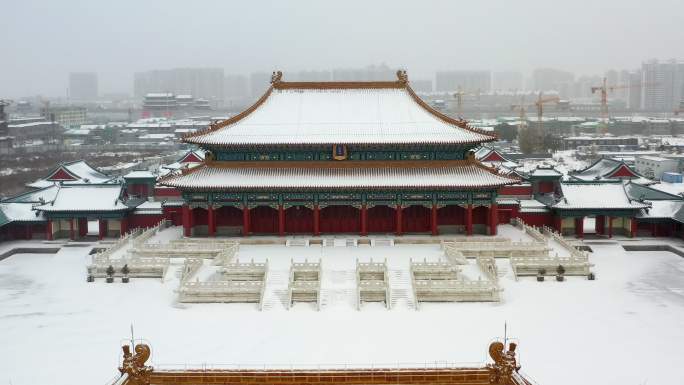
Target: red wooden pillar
x=433 y=220
x=72 y=235
x=48 y=230
x=245 y=221
x=469 y=220
x=633 y=227
x=399 y=231
x=281 y=220
x=124 y=225
x=654 y=229
x=82 y=227
x=316 y=220
x=211 y=221
x=610 y=227
x=102 y=229
x=493 y=218
x=600 y=224
x=28 y=231
x=186 y=221
x=579 y=227
x=558 y=224
x=364 y=220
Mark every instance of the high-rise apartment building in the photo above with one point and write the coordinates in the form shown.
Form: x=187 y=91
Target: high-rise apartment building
x=507 y=80
x=83 y=85
x=549 y=79
x=468 y=81
x=204 y=83
x=662 y=85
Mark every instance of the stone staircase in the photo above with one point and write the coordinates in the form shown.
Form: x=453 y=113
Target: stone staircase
x=401 y=290
x=275 y=296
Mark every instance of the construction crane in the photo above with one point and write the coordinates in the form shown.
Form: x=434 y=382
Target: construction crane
x=604 y=89
x=540 y=109
x=459 y=99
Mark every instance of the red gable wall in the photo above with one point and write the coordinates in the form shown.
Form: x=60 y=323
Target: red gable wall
x=493 y=157
x=60 y=174
x=191 y=158
x=623 y=171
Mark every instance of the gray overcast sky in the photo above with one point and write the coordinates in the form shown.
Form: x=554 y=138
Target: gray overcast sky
x=42 y=41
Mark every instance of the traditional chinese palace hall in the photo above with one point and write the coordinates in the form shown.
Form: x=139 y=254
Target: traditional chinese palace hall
x=339 y=157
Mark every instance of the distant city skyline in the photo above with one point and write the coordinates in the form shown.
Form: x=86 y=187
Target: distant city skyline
x=42 y=41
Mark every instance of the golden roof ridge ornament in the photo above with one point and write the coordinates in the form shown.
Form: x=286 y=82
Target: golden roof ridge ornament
x=402 y=76
x=276 y=77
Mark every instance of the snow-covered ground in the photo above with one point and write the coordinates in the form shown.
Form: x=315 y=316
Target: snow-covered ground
x=624 y=328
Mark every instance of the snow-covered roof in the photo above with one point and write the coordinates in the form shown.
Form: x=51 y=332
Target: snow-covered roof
x=329 y=113
x=608 y=169
x=251 y=175
x=140 y=174
x=47 y=194
x=149 y=208
x=595 y=196
x=88 y=198
x=545 y=172
x=77 y=172
x=664 y=209
x=18 y=212
x=641 y=192
x=532 y=206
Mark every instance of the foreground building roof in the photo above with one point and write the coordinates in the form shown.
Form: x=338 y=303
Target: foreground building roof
x=339 y=175
x=504 y=369
x=326 y=113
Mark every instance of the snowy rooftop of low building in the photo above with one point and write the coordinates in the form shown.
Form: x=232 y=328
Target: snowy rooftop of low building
x=654 y=158
x=76 y=172
x=18 y=212
x=47 y=194
x=251 y=175
x=608 y=169
x=87 y=198
x=532 y=206
x=339 y=112
x=670 y=188
x=664 y=209
x=140 y=174
x=595 y=196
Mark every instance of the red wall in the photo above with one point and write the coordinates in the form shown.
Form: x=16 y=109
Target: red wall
x=147 y=220
x=381 y=219
x=537 y=219
x=451 y=215
x=415 y=219
x=546 y=186
x=174 y=214
x=298 y=219
x=340 y=219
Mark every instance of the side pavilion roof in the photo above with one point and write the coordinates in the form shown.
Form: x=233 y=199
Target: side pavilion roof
x=607 y=169
x=327 y=113
x=594 y=196
x=87 y=198
x=326 y=175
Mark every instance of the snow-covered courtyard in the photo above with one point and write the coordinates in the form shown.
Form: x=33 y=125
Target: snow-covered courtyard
x=623 y=328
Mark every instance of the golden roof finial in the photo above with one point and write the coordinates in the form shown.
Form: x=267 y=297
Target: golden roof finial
x=276 y=77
